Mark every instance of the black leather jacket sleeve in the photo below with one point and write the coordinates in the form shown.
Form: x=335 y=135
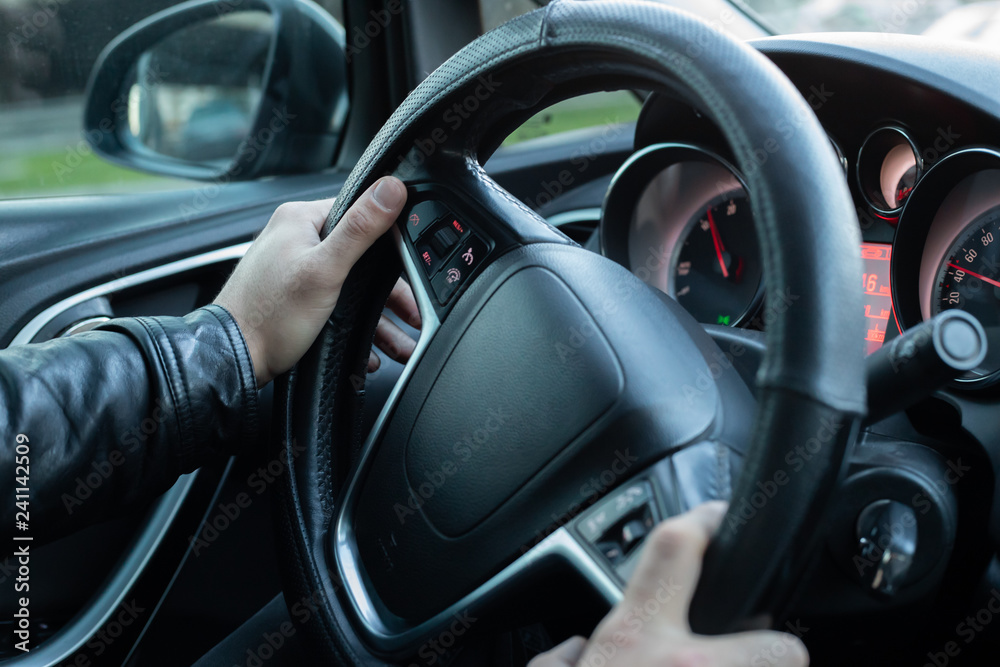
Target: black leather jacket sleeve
x=112 y=417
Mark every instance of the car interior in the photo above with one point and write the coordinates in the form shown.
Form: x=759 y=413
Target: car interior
x=665 y=252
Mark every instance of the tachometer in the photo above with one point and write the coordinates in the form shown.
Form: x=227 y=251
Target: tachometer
x=679 y=218
x=969 y=279
x=717 y=272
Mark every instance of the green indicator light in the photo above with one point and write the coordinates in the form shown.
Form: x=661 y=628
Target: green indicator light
x=723 y=319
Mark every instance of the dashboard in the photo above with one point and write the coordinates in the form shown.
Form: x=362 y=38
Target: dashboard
x=922 y=165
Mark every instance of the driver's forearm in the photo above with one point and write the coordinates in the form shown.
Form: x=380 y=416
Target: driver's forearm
x=112 y=417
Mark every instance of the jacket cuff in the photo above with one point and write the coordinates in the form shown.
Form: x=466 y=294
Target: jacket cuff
x=250 y=434
x=203 y=378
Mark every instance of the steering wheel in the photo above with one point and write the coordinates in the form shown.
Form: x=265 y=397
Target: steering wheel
x=542 y=367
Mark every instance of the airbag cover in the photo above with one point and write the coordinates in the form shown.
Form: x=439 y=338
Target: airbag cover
x=542 y=373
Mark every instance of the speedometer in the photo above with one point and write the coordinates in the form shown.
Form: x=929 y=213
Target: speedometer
x=969 y=279
x=946 y=251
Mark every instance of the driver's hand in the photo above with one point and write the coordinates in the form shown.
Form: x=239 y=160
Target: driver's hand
x=397 y=344
x=649 y=627
x=286 y=286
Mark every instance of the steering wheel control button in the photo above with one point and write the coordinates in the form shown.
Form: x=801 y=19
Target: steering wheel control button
x=461 y=229
x=471 y=253
x=635 y=530
x=444 y=240
x=449 y=280
x=612 y=551
x=611 y=510
x=423 y=216
x=618 y=525
x=429 y=259
x=456 y=271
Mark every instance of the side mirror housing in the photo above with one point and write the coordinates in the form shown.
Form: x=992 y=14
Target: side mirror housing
x=222 y=90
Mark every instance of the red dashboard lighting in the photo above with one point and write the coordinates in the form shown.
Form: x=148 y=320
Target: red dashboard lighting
x=878 y=293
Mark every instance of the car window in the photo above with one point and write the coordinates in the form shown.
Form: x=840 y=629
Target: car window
x=495 y=12
x=46 y=55
x=596 y=109
x=966 y=20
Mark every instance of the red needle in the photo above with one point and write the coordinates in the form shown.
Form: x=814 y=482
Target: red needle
x=718 y=244
x=995 y=283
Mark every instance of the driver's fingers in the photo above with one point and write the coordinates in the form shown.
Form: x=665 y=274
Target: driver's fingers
x=670 y=563
x=392 y=340
x=566 y=654
x=402 y=303
x=774 y=649
x=371 y=216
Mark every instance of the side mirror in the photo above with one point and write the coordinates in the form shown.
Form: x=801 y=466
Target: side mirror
x=222 y=89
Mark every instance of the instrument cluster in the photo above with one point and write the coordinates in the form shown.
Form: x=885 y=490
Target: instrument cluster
x=679 y=217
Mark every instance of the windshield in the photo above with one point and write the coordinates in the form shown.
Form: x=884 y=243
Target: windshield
x=968 y=20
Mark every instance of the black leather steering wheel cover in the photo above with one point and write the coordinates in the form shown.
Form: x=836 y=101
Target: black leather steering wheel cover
x=812 y=375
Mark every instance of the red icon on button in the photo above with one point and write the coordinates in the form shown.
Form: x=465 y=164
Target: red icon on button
x=414 y=219
x=458 y=226
x=427 y=258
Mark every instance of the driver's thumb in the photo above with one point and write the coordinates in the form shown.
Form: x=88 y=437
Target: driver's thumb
x=370 y=217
